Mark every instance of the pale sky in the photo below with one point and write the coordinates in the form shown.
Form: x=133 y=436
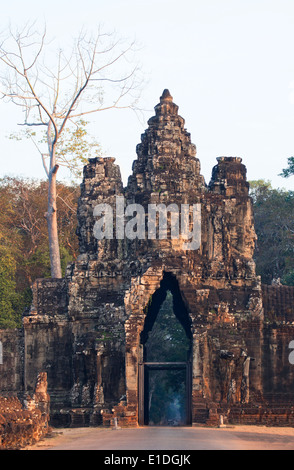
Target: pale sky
x=229 y=65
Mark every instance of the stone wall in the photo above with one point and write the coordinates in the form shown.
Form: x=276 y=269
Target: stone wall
x=278 y=303
x=11 y=363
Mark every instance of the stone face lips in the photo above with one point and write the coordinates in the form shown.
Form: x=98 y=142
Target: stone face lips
x=86 y=331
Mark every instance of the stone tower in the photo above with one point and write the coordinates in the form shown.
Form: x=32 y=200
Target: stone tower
x=88 y=331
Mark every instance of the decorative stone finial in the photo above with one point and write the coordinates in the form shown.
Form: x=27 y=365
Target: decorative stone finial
x=166 y=96
x=166 y=105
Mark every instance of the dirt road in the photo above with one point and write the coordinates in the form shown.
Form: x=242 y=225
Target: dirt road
x=170 y=438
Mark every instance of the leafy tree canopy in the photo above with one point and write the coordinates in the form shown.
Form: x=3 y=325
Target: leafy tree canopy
x=289 y=171
x=274 y=225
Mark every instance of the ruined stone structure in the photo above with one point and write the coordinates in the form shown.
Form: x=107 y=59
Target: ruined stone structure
x=88 y=331
x=24 y=424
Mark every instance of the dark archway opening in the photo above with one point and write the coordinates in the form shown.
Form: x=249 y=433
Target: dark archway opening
x=165 y=373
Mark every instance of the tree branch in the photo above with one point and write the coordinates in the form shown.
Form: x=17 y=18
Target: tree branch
x=33 y=124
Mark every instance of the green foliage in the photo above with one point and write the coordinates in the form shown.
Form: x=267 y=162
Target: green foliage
x=260 y=190
x=167 y=342
x=274 y=225
x=289 y=171
x=24 y=253
x=8 y=297
x=288 y=278
x=74 y=146
x=168 y=399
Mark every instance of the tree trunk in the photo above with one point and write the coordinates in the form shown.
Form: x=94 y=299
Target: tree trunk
x=51 y=217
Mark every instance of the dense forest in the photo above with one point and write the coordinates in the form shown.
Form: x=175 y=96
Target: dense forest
x=24 y=254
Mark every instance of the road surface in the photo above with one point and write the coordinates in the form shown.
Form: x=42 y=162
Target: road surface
x=169 y=438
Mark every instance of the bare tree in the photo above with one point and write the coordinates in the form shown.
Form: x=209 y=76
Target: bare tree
x=57 y=87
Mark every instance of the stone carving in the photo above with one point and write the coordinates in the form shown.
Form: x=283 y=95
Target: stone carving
x=20 y=425
x=86 y=330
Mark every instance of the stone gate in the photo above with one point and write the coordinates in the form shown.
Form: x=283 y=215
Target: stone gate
x=87 y=330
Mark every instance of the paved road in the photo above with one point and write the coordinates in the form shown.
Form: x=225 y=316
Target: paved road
x=170 y=438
